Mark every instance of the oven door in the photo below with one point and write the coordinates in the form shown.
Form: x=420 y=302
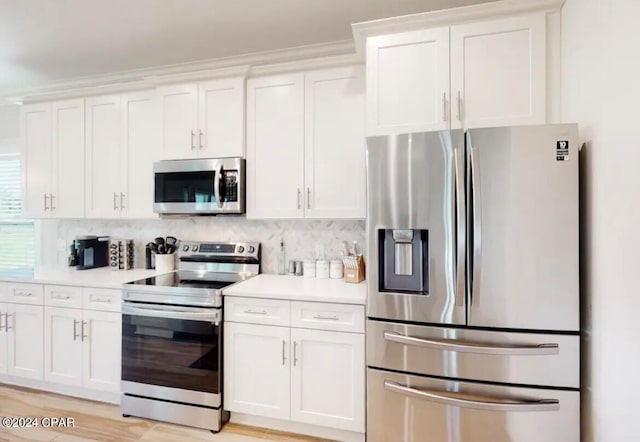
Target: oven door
x=204 y=186
x=172 y=353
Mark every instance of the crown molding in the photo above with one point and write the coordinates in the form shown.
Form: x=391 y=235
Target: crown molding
x=240 y=65
x=447 y=17
x=308 y=64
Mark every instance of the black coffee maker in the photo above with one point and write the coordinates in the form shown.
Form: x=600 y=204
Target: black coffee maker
x=92 y=252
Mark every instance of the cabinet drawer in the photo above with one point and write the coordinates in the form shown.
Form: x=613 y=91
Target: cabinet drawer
x=257 y=311
x=25 y=294
x=101 y=299
x=62 y=296
x=321 y=316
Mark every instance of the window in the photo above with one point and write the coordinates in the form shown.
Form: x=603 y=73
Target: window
x=17 y=236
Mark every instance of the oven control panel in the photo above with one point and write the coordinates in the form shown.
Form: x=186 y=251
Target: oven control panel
x=213 y=249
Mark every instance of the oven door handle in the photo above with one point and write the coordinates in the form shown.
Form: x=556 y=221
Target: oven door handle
x=204 y=315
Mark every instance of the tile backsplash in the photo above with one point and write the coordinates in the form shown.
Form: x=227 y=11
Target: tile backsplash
x=300 y=236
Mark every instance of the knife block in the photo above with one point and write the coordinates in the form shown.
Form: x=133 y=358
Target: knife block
x=354 y=270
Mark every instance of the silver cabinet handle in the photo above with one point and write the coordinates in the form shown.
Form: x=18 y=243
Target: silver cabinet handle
x=255 y=312
x=6 y=322
x=61 y=297
x=295 y=353
x=308 y=198
x=193 y=140
x=444 y=107
x=82 y=335
x=46 y=198
x=474 y=347
x=460 y=226
x=22 y=294
x=102 y=300
x=477 y=221
x=51 y=198
x=480 y=403
x=329 y=318
x=121 y=200
x=75 y=330
x=115 y=201
x=299 y=194
x=200 y=139
x=284 y=358
x=459 y=115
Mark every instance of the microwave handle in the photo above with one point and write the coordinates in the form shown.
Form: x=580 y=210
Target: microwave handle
x=216 y=185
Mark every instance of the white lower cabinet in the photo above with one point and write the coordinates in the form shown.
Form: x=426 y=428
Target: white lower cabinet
x=82 y=348
x=328 y=379
x=3 y=340
x=23 y=326
x=301 y=375
x=256 y=367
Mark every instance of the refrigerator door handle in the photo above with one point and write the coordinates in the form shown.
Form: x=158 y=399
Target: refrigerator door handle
x=474 y=347
x=478 y=402
x=458 y=161
x=477 y=223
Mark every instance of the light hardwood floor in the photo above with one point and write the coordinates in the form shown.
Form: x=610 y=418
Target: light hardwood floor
x=95 y=421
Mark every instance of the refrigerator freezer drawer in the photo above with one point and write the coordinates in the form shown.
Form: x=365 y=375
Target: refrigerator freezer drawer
x=506 y=357
x=422 y=409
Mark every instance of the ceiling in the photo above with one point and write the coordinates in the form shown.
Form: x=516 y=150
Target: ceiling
x=44 y=41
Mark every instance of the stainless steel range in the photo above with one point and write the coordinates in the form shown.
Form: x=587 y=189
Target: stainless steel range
x=172 y=335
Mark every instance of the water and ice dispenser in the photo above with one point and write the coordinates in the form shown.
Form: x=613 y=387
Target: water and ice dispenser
x=404 y=260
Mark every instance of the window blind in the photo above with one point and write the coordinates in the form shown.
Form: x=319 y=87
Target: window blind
x=17 y=236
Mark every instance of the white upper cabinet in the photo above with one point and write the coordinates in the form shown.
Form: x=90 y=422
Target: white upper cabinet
x=498 y=72
x=335 y=185
x=408 y=82
x=179 y=105
x=306 y=145
x=103 y=150
x=221 y=118
x=275 y=147
x=67 y=191
x=53 y=159
x=36 y=160
x=140 y=148
x=203 y=120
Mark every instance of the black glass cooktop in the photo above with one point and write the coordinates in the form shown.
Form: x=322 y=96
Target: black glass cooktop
x=178 y=279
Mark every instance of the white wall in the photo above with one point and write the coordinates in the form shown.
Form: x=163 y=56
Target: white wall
x=601 y=91
x=9 y=121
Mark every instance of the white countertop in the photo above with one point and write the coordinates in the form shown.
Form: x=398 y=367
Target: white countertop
x=102 y=277
x=299 y=288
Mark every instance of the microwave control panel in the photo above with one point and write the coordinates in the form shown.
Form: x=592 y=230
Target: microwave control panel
x=230 y=185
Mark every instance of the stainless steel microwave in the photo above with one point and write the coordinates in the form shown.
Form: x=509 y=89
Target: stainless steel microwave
x=199 y=187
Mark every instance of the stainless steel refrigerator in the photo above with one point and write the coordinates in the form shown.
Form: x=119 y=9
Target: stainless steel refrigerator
x=473 y=286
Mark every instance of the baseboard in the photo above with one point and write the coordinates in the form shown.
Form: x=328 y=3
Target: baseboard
x=79 y=392
x=297 y=427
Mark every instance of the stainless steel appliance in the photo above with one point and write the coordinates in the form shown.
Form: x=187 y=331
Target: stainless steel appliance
x=172 y=335
x=200 y=186
x=92 y=252
x=473 y=298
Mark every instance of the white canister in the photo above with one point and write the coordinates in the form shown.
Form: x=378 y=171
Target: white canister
x=165 y=263
x=336 y=269
x=322 y=269
x=309 y=269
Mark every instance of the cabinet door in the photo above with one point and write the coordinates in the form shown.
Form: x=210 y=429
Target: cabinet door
x=25 y=323
x=35 y=131
x=408 y=82
x=101 y=337
x=256 y=369
x=221 y=118
x=179 y=107
x=141 y=141
x=63 y=345
x=498 y=72
x=3 y=340
x=334 y=157
x=328 y=379
x=67 y=176
x=275 y=149
x=103 y=149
